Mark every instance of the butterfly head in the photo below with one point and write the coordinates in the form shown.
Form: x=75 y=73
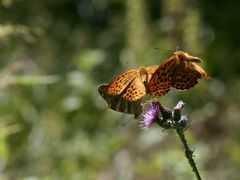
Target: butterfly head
x=183 y=56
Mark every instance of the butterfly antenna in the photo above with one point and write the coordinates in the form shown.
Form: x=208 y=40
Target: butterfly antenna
x=177 y=48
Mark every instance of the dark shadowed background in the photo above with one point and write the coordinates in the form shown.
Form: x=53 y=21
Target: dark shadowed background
x=54 y=54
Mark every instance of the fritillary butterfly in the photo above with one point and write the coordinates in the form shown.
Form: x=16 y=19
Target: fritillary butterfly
x=179 y=71
x=124 y=92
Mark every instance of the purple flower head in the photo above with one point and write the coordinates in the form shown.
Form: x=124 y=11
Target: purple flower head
x=151 y=114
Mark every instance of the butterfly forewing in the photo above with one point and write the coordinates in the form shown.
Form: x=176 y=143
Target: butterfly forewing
x=132 y=84
x=159 y=83
x=138 y=87
x=121 y=82
x=135 y=91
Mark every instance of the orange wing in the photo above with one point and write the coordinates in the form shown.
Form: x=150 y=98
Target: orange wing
x=187 y=72
x=118 y=84
x=185 y=80
x=140 y=85
x=137 y=88
x=124 y=93
x=160 y=82
x=117 y=103
x=179 y=71
x=151 y=70
x=131 y=85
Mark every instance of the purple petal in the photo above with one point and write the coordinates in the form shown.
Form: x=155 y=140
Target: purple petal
x=179 y=106
x=151 y=114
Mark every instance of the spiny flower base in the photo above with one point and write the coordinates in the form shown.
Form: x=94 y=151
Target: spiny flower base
x=166 y=118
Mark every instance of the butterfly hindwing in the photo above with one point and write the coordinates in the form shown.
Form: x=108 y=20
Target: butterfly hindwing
x=118 y=103
x=187 y=75
x=185 y=80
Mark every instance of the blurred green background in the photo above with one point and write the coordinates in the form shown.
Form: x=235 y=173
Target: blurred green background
x=54 y=54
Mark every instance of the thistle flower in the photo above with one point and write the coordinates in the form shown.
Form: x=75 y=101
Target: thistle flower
x=150 y=115
x=165 y=117
x=169 y=119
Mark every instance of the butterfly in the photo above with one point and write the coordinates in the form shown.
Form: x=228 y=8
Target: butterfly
x=180 y=71
x=124 y=92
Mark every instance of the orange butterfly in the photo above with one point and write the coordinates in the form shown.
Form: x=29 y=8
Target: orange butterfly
x=124 y=92
x=179 y=71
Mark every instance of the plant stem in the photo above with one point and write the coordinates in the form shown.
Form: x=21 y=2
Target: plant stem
x=188 y=151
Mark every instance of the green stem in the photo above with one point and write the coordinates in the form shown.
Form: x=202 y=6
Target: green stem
x=188 y=151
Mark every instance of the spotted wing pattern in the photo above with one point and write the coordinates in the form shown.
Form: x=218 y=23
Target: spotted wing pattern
x=135 y=90
x=160 y=82
x=118 y=84
x=185 y=78
x=187 y=72
x=131 y=85
x=124 y=93
x=179 y=71
x=118 y=103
